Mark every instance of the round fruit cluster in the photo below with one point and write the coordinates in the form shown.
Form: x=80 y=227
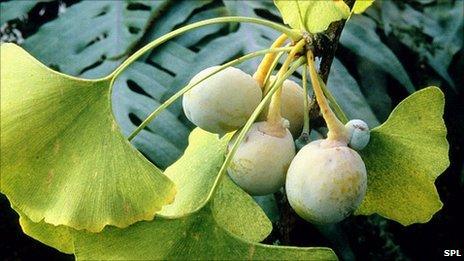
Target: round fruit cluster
x=325 y=181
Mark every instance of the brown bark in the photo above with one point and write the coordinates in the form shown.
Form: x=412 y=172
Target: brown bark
x=325 y=47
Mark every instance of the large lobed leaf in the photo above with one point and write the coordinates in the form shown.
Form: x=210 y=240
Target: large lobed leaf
x=312 y=16
x=63 y=157
x=93 y=34
x=347 y=92
x=434 y=32
x=15 y=9
x=404 y=157
x=360 y=37
x=137 y=92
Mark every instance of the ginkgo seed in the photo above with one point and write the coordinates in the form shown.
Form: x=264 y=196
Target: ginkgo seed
x=223 y=102
x=261 y=161
x=326 y=182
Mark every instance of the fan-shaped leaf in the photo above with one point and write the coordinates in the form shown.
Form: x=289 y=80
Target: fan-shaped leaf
x=198 y=235
x=63 y=158
x=194 y=174
x=404 y=157
x=58 y=237
x=312 y=16
x=361 y=5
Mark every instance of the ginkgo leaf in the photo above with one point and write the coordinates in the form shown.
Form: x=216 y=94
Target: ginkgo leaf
x=404 y=157
x=220 y=230
x=312 y=16
x=361 y=5
x=58 y=237
x=198 y=235
x=63 y=157
x=194 y=174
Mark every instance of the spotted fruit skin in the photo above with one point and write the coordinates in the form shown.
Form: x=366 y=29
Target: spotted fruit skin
x=292 y=106
x=261 y=161
x=326 y=182
x=359 y=134
x=223 y=102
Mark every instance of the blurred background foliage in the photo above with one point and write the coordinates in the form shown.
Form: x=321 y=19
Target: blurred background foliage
x=393 y=49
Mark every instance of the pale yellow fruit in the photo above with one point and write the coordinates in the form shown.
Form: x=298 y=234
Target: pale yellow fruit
x=326 y=182
x=261 y=161
x=223 y=102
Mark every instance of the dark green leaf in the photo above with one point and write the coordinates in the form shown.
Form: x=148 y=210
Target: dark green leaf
x=347 y=93
x=435 y=34
x=136 y=93
x=360 y=37
x=374 y=86
x=93 y=35
x=15 y=9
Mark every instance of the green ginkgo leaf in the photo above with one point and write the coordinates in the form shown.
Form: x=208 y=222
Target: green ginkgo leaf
x=404 y=157
x=194 y=174
x=222 y=229
x=58 y=237
x=361 y=5
x=198 y=235
x=312 y=16
x=63 y=157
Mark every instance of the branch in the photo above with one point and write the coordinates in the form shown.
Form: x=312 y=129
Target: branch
x=326 y=48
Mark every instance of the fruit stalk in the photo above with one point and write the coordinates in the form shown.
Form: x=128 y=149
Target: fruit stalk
x=306 y=126
x=266 y=63
x=337 y=131
x=336 y=107
x=267 y=84
x=274 y=117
